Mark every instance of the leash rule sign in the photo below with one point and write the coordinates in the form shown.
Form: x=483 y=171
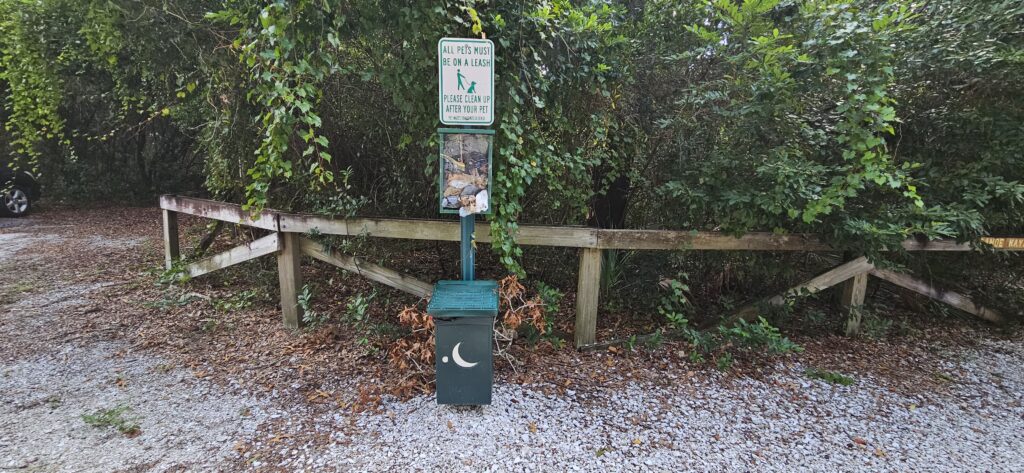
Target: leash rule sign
x=466 y=85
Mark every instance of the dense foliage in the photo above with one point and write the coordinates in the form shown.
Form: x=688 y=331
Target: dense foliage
x=868 y=121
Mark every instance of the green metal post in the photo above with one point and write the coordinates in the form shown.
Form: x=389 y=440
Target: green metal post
x=468 y=254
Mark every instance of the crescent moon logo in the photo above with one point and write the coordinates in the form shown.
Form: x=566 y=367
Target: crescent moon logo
x=458 y=358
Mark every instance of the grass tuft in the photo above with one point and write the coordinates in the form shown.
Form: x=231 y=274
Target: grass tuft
x=116 y=418
x=829 y=376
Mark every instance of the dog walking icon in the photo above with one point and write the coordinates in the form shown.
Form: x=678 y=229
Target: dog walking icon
x=462 y=85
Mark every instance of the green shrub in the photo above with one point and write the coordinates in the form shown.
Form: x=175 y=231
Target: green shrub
x=760 y=336
x=867 y=122
x=727 y=341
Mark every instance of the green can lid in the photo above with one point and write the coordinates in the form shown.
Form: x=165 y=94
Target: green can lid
x=464 y=299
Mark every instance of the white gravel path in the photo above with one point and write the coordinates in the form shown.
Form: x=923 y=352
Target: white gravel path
x=185 y=422
x=786 y=423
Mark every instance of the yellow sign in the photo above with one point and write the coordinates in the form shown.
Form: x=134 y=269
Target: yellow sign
x=1005 y=243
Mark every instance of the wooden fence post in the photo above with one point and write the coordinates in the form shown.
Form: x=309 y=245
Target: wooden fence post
x=852 y=301
x=172 y=250
x=289 y=273
x=587 y=292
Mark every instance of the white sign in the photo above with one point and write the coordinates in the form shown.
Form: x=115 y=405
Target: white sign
x=466 y=89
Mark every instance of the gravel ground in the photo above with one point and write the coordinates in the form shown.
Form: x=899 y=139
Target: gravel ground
x=783 y=423
x=182 y=421
x=668 y=421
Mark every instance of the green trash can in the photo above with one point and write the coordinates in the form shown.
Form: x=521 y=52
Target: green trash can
x=464 y=313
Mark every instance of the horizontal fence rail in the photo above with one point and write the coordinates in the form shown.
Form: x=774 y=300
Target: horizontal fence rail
x=214 y=210
x=538 y=235
x=591 y=241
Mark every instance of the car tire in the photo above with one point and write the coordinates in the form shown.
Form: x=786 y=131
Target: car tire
x=15 y=202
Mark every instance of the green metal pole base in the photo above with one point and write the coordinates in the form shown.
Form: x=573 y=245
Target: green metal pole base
x=468 y=261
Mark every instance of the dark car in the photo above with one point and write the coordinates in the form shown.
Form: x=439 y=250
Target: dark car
x=18 y=191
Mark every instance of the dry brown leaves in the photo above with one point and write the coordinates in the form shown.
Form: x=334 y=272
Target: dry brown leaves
x=518 y=308
x=414 y=353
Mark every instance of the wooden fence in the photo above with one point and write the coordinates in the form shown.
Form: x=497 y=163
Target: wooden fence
x=289 y=244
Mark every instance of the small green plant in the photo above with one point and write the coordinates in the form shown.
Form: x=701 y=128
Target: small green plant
x=724 y=362
x=551 y=300
x=762 y=335
x=311 y=318
x=676 y=304
x=357 y=308
x=701 y=342
x=178 y=273
x=550 y=296
x=613 y=270
x=116 y=418
x=944 y=377
x=829 y=376
x=172 y=298
x=236 y=301
x=209 y=325
x=338 y=204
x=630 y=343
x=815 y=316
x=357 y=314
x=874 y=326
x=654 y=341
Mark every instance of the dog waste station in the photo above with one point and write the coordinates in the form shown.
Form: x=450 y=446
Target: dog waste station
x=464 y=310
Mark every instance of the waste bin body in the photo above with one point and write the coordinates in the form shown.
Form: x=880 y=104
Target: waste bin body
x=464 y=313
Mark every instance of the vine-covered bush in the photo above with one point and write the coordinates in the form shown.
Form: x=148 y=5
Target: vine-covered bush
x=867 y=121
